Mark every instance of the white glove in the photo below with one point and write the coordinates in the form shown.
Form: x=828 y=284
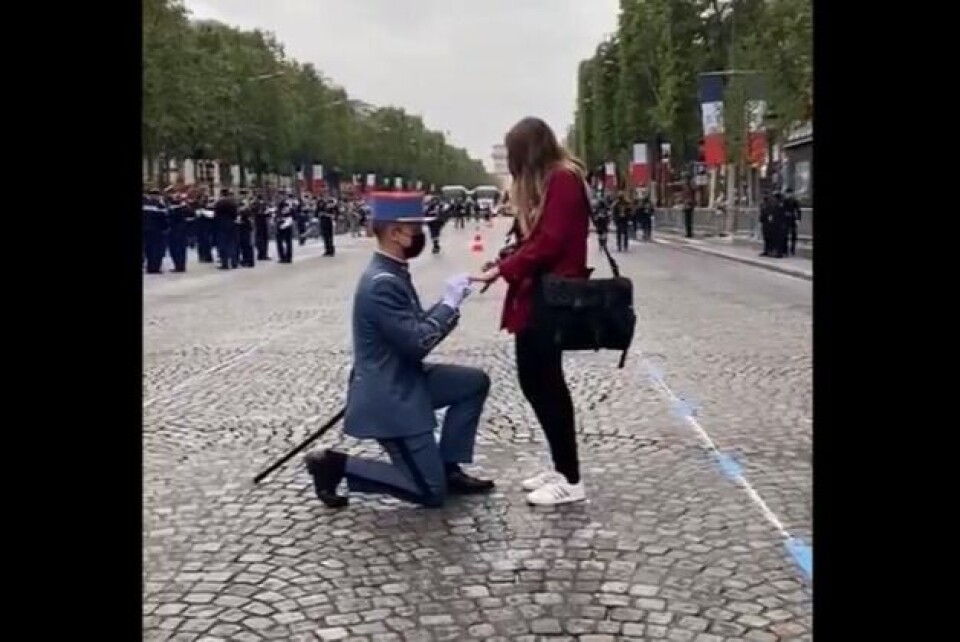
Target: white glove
x=455 y=290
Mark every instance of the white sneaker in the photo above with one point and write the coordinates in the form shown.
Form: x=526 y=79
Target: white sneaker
x=544 y=478
x=558 y=492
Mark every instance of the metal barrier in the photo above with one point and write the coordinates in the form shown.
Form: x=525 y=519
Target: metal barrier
x=736 y=222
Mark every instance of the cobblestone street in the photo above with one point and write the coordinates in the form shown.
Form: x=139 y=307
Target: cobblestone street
x=240 y=366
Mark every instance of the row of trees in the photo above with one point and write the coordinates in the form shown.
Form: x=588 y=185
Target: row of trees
x=214 y=92
x=641 y=82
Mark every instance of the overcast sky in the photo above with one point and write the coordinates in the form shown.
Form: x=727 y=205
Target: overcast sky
x=469 y=67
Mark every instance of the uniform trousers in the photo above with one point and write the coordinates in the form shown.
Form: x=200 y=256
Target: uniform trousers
x=417 y=471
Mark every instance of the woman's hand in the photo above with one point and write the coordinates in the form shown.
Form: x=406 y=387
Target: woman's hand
x=488 y=276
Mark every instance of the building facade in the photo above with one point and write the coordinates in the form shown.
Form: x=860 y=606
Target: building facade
x=798 y=162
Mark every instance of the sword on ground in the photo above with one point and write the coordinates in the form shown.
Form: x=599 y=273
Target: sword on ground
x=306 y=442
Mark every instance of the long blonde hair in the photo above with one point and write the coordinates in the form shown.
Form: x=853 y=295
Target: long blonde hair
x=532 y=153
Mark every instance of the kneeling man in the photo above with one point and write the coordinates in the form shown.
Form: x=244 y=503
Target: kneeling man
x=393 y=394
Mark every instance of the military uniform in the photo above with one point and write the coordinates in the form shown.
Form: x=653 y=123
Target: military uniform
x=155 y=225
x=285 y=225
x=261 y=229
x=225 y=219
x=326 y=227
x=180 y=215
x=206 y=233
x=393 y=395
x=792 y=214
x=436 y=225
x=245 y=236
x=644 y=216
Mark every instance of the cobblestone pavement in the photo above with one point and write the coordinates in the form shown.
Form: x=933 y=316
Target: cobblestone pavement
x=240 y=366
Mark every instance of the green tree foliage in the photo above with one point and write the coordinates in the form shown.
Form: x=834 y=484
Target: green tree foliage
x=642 y=81
x=216 y=92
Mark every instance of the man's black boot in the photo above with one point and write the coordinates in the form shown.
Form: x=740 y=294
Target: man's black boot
x=327 y=468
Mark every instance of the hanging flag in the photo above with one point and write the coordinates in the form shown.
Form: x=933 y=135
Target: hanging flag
x=610 y=175
x=712 y=90
x=639 y=169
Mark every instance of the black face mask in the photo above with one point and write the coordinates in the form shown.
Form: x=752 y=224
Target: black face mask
x=417 y=242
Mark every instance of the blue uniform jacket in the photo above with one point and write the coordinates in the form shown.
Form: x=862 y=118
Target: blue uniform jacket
x=392 y=334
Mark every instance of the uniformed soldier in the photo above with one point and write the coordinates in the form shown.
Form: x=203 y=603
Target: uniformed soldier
x=601 y=220
x=261 y=228
x=154 y=231
x=644 y=214
x=302 y=218
x=460 y=213
x=245 y=235
x=179 y=217
x=327 y=215
x=206 y=232
x=779 y=228
x=621 y=220
x=225 y=219
x=436 y=225
x=688 y=207
x=793 y=214
x=393 y=394
x=284 y=233
x=767 y=216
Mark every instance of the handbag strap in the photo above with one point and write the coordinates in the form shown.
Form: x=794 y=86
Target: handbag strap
x=614 y=268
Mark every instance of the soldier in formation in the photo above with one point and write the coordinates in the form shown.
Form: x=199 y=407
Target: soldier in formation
x=239 y=230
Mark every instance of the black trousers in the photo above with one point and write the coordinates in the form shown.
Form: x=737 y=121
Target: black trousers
x=246 y=250
x=540 y=372
x=302 y=226
x=623 y=238
x=177 y=246
x=204 y=240
x=646 y=226
x=263 y=244
x=601 y=239
x=688 y=223
x=791 y=238
x=227 y=249
x=285 y=244
x=326 y=231
x=154 y=246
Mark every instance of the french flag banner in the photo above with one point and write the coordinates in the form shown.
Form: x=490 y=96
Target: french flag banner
x=711 y=106
x=639 y=168
x=610 y=175
x=712 y=89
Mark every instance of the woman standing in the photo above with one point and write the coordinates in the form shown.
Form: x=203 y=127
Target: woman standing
x=550 y=202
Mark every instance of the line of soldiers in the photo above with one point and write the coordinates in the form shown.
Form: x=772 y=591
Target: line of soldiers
x=460 y=209
x=236 y=227
x=779 y=218
x=630 y=218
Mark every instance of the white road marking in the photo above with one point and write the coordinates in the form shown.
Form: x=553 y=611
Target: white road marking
x=691 y=420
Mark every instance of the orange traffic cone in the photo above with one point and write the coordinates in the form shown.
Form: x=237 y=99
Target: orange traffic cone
x=477 y=245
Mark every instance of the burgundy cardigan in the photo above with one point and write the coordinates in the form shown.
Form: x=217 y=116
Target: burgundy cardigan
x=557 y=245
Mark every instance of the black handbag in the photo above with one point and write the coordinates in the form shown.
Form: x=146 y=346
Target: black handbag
x=585 y=313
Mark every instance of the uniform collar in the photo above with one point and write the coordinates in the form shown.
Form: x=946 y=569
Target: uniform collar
x=385 y=260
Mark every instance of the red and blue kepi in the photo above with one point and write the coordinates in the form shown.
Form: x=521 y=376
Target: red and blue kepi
x=398 y=207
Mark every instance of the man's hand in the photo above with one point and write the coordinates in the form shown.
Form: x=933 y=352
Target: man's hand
x=456 y=289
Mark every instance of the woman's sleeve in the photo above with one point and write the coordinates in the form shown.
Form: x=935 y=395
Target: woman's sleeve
x=563 y=198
